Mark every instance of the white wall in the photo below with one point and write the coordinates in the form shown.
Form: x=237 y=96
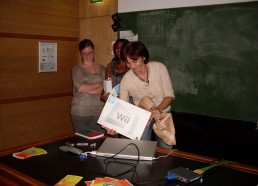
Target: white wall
x=141 y=5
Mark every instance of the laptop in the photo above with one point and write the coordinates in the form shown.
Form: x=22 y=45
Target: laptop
x=112 y=146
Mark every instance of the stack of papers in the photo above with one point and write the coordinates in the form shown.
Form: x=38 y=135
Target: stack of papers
x=33 y=151
x=106 y=181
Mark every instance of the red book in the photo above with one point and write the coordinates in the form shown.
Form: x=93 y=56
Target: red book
x=89 y=134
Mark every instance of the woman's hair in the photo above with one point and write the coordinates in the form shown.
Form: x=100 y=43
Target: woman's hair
x=85 y=43
x=134 y=50
x=124 y=41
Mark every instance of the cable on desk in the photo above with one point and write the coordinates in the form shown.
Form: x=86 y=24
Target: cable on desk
x=133 y=166
x=135 y=180
x=111 y=160
x=165 y=155
x=203 y=169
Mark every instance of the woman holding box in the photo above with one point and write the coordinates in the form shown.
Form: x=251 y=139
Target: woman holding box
x=146 y=79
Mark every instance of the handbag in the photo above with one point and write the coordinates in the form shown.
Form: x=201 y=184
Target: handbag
x=165 y=130
x=163 y=127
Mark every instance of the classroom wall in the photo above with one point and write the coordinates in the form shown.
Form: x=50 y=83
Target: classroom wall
x=35 y=106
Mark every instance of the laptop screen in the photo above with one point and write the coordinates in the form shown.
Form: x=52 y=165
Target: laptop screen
x=112 y=146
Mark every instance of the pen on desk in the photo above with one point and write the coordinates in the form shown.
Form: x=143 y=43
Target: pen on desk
x=82 y=144
x=76 y=144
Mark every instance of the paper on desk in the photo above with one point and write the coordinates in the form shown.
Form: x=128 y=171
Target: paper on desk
x=69 y=180
x=33 y=151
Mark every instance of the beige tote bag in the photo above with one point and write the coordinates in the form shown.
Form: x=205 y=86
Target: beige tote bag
x=164 y=127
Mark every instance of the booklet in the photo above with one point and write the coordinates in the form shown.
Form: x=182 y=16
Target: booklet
x=126 y=118
x=69 y=180
x=33 y=151
x=89 y=134
x=107 y=181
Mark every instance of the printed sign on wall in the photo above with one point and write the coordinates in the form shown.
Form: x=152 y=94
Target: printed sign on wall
x=47 y=57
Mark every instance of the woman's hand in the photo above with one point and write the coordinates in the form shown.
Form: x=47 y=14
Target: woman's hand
x=104 y=96
x=156 y=113
x=109 y=131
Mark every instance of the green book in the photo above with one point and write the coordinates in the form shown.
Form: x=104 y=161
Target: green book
x=89 y=134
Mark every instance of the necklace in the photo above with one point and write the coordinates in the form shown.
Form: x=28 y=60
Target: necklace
x=143 y=79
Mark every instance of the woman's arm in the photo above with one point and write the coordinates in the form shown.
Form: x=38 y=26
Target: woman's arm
x=80 y=87
x=96 y=91
x=157 y=111
x=165 y=103
x=123 y=94
x=108 y=71
x=91 y=88
x=104 y=95
x=168 y=92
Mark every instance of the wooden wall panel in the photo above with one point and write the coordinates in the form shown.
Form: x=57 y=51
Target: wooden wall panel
x=107 y=7
x=99 y=30
x=95 y=24
x=33 y=121
x=55 y=18
x=35 y=106
x=19 y=75
x=21 y=19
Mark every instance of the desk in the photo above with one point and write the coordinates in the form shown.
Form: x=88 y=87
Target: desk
x=48 y=169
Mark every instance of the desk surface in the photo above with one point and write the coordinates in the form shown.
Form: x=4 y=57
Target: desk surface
x=50 y=168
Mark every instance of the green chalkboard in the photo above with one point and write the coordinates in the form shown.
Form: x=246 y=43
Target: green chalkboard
x=211 y=53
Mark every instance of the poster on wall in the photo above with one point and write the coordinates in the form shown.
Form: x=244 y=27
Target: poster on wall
x=129 y=35
x=47 y=57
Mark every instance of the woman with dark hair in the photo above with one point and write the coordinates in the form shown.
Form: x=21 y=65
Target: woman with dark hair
x=146 y=79
x=87 y=79
x=116 y=68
